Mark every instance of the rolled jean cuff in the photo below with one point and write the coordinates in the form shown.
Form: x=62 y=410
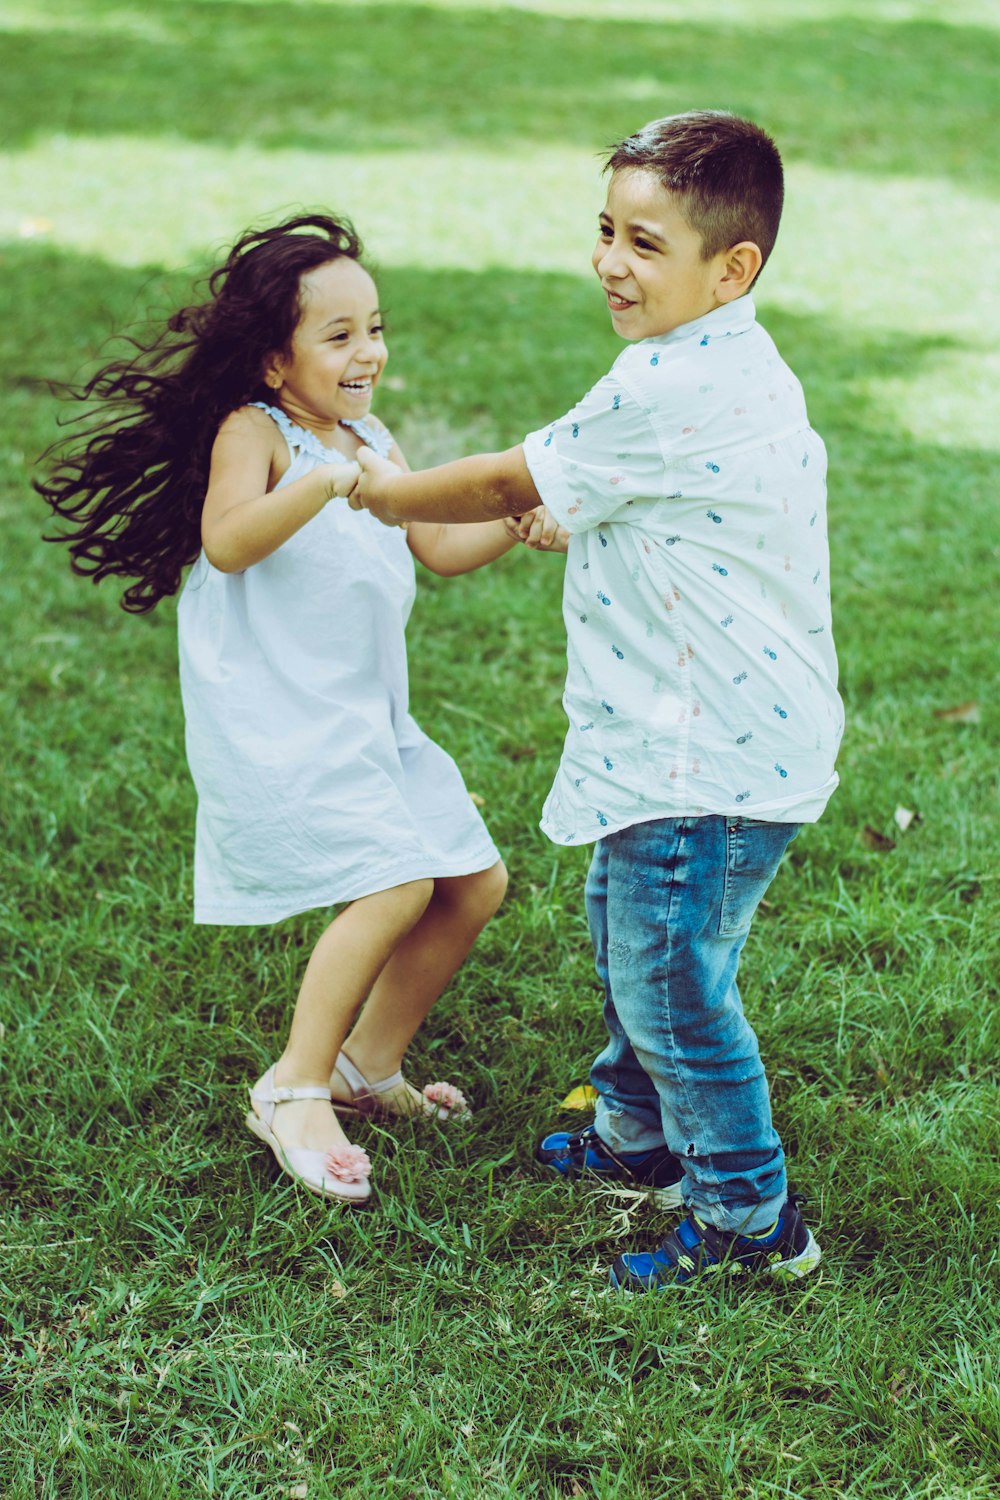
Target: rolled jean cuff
x=624 y=1133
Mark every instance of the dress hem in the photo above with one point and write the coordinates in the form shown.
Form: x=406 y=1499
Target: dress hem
x=210 y=915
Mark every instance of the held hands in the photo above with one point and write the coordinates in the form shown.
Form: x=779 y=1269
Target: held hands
x=341 y=479
x=369 y=491
x=539 y=530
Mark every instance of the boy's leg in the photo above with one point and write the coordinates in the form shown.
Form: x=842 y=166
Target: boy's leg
x=681 y=894
x=625 y=1090
x=617 y=1075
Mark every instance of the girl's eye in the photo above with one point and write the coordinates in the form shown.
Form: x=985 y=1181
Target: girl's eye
x=604 y=230
x=378 y=328
x=644 y=245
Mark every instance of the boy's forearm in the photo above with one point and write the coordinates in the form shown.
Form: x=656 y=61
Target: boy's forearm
x=485 y=487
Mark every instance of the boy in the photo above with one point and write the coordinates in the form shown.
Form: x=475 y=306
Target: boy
x=701 y=692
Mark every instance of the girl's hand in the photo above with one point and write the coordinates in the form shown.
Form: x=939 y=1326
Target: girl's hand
x=341 y=479
x=539 y=530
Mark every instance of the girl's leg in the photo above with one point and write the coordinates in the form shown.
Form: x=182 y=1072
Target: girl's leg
x=420 y=967
x=343 y=967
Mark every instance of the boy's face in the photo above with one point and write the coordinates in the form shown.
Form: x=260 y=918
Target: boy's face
x=649 y=261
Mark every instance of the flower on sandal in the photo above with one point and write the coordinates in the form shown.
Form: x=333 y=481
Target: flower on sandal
x=347 y=1164
x=445 y=1096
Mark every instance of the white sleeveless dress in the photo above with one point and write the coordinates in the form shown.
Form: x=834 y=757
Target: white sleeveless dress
x=315 y=785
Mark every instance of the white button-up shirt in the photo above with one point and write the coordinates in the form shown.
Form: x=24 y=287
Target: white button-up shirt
x=701 y=668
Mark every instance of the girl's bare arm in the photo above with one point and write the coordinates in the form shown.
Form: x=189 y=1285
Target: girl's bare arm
x=244 y=518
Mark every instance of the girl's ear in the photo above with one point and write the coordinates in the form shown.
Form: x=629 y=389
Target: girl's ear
x=273 y=376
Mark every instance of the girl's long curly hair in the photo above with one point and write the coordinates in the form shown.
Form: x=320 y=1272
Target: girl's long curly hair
x=133 y=481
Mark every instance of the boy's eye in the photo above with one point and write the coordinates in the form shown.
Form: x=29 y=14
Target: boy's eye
x=644 y=245
x=604 y=230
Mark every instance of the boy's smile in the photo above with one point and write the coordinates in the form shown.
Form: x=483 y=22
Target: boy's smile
x=649 y=259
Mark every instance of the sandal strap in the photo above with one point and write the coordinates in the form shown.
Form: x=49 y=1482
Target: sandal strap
x=280 y=1094
x=358 y=1083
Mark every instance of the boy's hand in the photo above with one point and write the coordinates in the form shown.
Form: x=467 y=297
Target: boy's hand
x=369 y=493
x=539 y=530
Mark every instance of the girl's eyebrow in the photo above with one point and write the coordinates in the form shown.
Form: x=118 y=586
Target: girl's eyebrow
x=346 y=318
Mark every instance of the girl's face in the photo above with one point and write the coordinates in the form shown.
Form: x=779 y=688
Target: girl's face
x=337 y=352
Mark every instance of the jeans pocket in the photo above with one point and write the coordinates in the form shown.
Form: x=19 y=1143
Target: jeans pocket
x=753 y=854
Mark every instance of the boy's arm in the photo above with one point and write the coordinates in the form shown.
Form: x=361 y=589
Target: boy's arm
x=486 y=487
x=449 y=550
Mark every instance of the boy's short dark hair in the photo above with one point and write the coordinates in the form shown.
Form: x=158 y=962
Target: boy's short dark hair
x=726 y=170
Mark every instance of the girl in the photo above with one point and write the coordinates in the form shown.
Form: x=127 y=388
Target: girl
x=230 y=435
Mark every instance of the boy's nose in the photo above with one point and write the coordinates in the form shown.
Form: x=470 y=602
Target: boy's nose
x=608 y=261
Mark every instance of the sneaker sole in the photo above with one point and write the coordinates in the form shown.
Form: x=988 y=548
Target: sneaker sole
x=802 y=1264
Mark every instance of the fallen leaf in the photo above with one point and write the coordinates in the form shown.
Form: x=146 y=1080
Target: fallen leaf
x=479 y=801
x=904 y=818
x=580 y=1098
x=872 y=839
x=336 y=1288
x=962 y=713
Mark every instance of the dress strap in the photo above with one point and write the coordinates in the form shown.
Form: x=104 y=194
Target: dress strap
x=379 y=439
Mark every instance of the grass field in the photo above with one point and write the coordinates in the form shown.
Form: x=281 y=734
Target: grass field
x=177 y=1322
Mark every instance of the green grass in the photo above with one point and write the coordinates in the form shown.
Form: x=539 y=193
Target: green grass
x=176 y=1321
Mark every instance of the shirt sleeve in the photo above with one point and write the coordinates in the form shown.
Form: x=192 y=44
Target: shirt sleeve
x=598 y=460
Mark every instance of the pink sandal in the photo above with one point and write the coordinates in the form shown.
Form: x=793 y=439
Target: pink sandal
x=341 y=1173
x=441 y=1101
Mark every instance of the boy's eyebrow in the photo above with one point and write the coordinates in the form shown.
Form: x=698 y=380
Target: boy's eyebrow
x=636 y=227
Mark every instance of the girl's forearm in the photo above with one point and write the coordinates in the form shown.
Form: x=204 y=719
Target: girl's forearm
x=249 y=530
x=450 y=550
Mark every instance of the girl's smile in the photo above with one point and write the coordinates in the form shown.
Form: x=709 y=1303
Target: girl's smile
x=337 y=351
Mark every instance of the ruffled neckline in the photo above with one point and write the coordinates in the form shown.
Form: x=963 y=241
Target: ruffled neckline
x=307 y=442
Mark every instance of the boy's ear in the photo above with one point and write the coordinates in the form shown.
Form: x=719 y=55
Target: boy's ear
x=741 y=264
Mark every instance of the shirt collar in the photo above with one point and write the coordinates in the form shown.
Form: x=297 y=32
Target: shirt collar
x=722 y=322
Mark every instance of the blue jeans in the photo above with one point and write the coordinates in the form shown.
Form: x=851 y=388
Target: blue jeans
x=670 y=904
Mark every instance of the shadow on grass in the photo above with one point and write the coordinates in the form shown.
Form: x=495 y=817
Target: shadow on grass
x=913 y=97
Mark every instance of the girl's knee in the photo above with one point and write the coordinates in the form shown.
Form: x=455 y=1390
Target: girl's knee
x=413 y=898
x=484 y=892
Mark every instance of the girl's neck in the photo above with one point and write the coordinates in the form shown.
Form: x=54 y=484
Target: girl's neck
x=325 y=431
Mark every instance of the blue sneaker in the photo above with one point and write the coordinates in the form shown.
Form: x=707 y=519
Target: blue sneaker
x=693 y=1248
x=583 y=1153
